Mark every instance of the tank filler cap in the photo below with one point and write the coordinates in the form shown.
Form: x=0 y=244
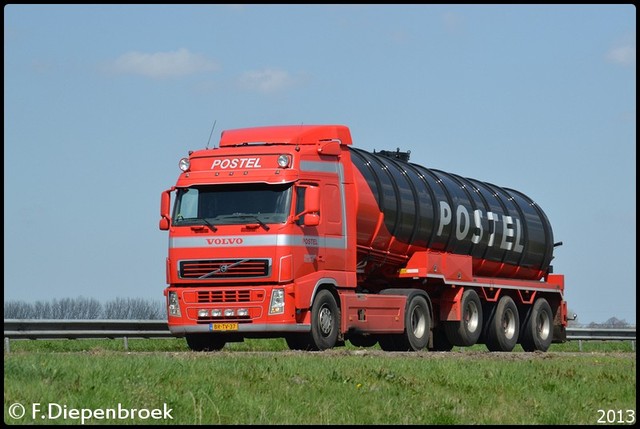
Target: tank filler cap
x=403 y=156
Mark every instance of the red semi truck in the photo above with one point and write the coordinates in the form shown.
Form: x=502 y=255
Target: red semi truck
x=291 y=232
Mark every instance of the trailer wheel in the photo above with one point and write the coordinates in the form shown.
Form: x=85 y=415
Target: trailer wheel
x=504 y=326
x=537 y=330
x=417 y=323
x=205 y=342
x=467 y=331
x=325 y=321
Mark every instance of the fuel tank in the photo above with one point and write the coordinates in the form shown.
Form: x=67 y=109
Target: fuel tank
x=404 y=207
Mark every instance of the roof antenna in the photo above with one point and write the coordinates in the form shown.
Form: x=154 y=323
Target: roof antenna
x=214 y=125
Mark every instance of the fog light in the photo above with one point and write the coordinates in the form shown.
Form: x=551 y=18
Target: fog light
x=203 y=313
x=216 y=312
x=228 y=312
x=243 y=312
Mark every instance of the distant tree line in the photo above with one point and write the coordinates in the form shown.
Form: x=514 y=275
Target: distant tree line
x=611 y=323
x=87 y=308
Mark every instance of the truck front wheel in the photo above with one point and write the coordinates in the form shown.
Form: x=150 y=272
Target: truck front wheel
x=325 y=321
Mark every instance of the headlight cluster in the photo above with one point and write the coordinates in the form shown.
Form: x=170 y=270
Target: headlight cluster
x=276 y=305
x=174 y=307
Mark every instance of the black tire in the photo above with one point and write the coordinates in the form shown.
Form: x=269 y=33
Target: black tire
x=388 y=342
x=299 y=341
x=205 y=342
x=467 y=331
x=417 y=327
x=504 y=326
x=325 y=321
x=537 y=329
x=417 y=322
x=441 y=342
x=362 y=340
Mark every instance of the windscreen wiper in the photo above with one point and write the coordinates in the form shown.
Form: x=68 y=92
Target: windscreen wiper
x=250 y=216
x=260 y=222
x=198 y=219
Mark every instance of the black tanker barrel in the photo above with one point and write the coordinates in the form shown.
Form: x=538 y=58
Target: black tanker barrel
x=504 y=231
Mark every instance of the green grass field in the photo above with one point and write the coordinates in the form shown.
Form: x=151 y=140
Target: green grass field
x=260 y=382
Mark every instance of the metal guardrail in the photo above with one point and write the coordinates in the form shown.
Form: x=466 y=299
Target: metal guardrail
x=40 y=329
x=586 y=334
x=106 y=328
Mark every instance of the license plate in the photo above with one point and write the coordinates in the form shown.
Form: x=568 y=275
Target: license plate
x=224 y=326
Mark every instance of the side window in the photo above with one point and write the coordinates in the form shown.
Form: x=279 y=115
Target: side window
x=300 y=203
x=300 y=195
x=186 y=204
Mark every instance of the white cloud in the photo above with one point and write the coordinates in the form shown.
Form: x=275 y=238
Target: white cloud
x=266 y=81
x=623 y=54
x=163 y=64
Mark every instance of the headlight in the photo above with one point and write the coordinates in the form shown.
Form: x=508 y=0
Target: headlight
x=184 y=164
x=276 y=306
x=283 y=161
x=174 y=307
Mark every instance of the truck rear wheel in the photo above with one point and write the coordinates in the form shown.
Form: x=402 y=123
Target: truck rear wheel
x=417 y=327
x=466 y=332
x=537 y=330
x=441 y=342
x=205 y=342
x=325 y=321
x=504 y=326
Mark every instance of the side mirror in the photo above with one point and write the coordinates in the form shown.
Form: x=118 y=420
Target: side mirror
x=165 y=207
x=311 y=219
x=164 y=224
x=312 y=199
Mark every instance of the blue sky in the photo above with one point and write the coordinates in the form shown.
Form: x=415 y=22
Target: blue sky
x=101 y=101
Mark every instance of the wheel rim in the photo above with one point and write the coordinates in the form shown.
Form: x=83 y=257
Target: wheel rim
x=543 y=326
x=418 y=322
x=509 y=324
x=325 y=321
x=472 y=317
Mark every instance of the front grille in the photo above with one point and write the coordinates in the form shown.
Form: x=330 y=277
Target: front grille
x=224 y=296
x=224 y=268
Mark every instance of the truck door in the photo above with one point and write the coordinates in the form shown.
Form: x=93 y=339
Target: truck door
x=332 y=256
x=325 y=243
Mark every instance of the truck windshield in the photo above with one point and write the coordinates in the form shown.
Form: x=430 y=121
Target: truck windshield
x=232 y=204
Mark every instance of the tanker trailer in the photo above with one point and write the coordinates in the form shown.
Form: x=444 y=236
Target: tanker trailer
x=406 y=209
x=418 y=208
